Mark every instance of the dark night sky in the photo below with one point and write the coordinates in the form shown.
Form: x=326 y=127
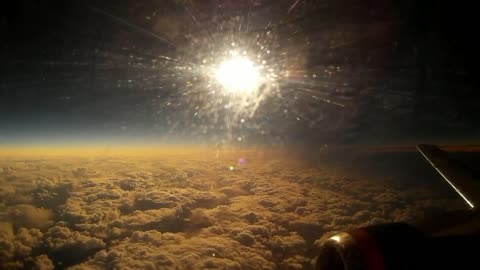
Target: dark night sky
x=112 y=70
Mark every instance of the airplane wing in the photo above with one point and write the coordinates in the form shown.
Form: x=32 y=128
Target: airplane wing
x=458 y=176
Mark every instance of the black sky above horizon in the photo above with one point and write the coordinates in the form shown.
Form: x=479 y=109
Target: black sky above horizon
x=401 y=70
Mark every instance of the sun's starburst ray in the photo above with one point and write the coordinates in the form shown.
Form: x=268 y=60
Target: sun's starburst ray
x=231 y=75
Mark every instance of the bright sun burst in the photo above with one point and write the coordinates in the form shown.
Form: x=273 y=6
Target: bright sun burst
x=238 y=74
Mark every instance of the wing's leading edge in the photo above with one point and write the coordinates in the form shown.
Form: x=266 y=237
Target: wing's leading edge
x=459 y=177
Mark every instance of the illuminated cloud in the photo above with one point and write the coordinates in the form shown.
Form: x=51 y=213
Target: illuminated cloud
x=42 y=262
x=265 y=215
x=26 y=240
x=25 y=215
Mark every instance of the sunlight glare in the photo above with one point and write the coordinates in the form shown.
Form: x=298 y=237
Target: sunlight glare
x=238 y=75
